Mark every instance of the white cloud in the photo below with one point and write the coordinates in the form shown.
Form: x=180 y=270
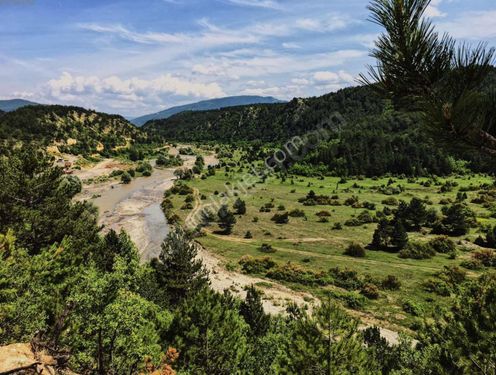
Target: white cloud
x=210 y=36
x=333 y=77
x=291 y=45
x=270 y=4
x=300 y=81
x=433 y=9
x=328 y=23
x=125 y=91
x=259 y=65
x=482 y=25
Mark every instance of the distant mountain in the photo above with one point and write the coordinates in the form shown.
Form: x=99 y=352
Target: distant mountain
x=13 y=104
x=205 y=105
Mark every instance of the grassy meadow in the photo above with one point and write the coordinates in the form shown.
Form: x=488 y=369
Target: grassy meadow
x=310 y=244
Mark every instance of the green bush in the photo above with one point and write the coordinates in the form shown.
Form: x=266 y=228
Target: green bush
x=126 y=178
x=391 y=282
x=443 y=245
x=267 y=248
x=282 y=218
x=413 y=308
x=355 y=250
x=250 y=264
x=371 y=291
x=417 y=250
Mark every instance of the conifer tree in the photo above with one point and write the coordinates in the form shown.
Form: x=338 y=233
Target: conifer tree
x=253 y=312
x=226 y=219
x=178 y=271
x=328 y=342
x=240 y=206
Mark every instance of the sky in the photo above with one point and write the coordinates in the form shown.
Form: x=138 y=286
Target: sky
x=136 y=57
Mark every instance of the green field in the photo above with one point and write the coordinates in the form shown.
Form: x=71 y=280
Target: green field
x=316 y=246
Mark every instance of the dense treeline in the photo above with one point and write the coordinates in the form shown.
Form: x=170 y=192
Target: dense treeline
x=368 y=138
x=268 y=122
x=87 y=298
x=75 y=130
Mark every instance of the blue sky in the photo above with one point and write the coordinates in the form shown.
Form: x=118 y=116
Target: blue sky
x=136 y=57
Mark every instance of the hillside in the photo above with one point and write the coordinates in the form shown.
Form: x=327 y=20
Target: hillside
x=13 y=104
x=205 y=105
x=373 y=138
x=72 y=129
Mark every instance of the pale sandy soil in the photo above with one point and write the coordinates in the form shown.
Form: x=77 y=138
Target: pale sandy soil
x=276 y=297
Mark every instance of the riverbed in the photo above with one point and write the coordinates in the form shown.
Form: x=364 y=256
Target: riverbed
x=135 y=207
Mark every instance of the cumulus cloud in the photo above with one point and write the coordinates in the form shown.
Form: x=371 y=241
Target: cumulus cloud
x=433 y=9
x=333 y=77
x=125 y=91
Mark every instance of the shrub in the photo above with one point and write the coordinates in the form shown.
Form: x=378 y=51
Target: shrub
x=438 y=287
x=346 y=279
x=391 y=283
x=371 y=291
x=267 y=248
x=282 y=218
x=453 y=275
x=248 y=235
x=297 y=213
x=126 y=178
x=355 y=250
x=323 y=220
x=391 y=201
x=250 y=264
x=486 y=257
x=417 y=251
x=323 y=214
x=352 y=300
x=413 y=308
x=443 y=245
x=337 y=226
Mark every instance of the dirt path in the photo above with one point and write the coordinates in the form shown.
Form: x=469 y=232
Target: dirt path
x=276 y=297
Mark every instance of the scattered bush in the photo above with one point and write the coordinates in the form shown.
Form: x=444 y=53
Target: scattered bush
x=297 y=213
x=443 y=245
x=417 y=250
x=355 y=250
x=371 y=291
x=267 y=248
x=282 y=218
x=391 y=282
x=251 y=265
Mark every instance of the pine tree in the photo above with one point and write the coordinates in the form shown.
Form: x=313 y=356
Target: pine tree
x=328 y=342
x=209 y=334
x=226 y=219
x=178 y=271
x=240 y=206
x=381 y=236
x=253 y=312
x=399 y=236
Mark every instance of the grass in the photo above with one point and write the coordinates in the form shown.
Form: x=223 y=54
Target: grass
x=316 y=246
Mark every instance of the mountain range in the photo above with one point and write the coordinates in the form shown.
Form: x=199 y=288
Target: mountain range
x=13 y=104
x=230 y=101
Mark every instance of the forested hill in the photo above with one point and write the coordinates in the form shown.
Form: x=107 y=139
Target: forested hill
x=374 y=139
x=267 y=122
x=205 y=105
x=72 y=129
